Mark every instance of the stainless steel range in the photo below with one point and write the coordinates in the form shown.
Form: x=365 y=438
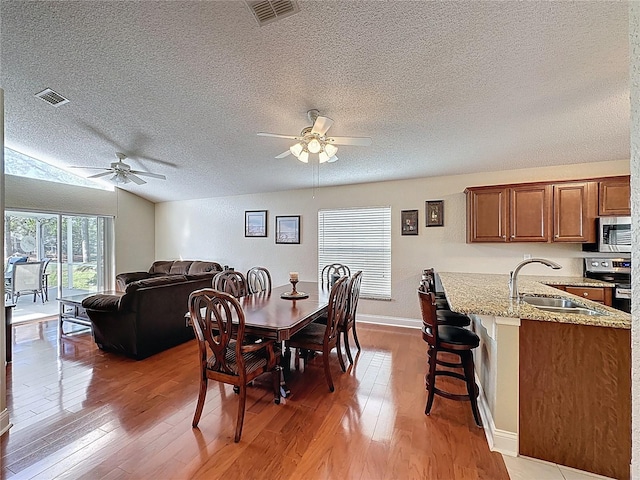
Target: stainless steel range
x=614 y=270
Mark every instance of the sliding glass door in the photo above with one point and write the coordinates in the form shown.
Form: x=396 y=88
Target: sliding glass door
x=78 y=250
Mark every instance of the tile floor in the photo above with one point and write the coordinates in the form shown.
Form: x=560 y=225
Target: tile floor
x=524 y=468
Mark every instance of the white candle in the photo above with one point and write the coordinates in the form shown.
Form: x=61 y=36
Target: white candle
x=293 y=276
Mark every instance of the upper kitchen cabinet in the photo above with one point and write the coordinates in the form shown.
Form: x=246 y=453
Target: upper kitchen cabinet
x=487 y=214
x=615 y=197
x=574 y=212
x=529 y=214
x=518 y=213
x=533 y=212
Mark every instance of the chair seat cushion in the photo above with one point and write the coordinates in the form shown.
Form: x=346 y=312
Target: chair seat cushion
x=252 y=360
x=457 y=336
x=447 y=317
x=312 y=333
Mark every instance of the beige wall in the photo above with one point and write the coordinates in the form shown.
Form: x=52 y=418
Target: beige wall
x=135 y=233
x=213 y=229
x=634 y=37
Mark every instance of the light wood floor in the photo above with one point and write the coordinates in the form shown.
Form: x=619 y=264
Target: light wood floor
x=79 y=412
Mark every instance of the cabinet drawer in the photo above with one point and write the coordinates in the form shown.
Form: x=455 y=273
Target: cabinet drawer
x=592 y=293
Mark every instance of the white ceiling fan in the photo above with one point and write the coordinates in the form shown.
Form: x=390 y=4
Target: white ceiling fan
x=122 y=172
x=314 y=139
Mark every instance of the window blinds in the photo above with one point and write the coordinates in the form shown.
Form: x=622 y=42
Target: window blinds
x=361 y=239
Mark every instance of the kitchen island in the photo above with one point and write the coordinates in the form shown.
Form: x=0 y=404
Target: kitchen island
x=554 y=385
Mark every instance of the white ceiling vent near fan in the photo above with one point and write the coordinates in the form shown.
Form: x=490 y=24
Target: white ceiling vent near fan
x=52 y=98
x=267 y=11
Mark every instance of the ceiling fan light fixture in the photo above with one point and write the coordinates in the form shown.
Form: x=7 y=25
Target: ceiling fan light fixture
x=330 y=149
x=323 y=157
x=304 y=156
x=296 y=149
x=332 y=159
x=314 y=145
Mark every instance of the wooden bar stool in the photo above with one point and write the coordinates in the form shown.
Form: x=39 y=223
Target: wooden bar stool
x=451 y=339
x=444 y=313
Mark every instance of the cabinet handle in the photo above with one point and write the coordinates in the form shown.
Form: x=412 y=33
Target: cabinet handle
x=556 y=235
x=586 y=294
x=504 y=236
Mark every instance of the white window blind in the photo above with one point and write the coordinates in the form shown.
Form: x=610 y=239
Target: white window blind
x=361 y=239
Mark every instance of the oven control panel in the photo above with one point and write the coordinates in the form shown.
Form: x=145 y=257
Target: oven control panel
x=607 y=265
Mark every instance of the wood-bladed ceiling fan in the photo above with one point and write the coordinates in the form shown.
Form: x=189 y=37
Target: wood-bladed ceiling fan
x=314 y=139
x=122 y=173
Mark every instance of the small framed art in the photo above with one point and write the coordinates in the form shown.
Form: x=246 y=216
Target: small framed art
x=288 y=229
x=435 y=213
x=255 y=223
x=409 y=222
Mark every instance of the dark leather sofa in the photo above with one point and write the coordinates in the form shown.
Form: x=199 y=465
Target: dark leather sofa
x=163 y=268
x=148 y=318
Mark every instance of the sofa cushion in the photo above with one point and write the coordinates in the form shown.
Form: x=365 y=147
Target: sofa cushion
x=124 y=279
x=201 y=267
x=102 y=302
x=162 y=266
x=154 y=282
x=180 y=267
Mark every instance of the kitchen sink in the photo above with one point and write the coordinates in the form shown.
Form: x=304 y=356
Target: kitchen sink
x=559 y=305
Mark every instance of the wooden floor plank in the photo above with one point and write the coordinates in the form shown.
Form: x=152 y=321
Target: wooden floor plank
x=82 y=413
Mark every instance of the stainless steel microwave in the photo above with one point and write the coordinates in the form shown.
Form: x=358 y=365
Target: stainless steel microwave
x=614 y=234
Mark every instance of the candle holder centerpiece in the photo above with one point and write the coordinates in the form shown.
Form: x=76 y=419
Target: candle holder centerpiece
x=294 y=294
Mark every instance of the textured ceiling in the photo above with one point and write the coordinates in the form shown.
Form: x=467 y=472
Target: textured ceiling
x=442 y=88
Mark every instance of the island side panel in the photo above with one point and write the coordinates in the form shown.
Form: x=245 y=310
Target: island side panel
x=575 y=396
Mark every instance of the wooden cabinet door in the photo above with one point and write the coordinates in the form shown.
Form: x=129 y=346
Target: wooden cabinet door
x=615 y=197
x=574 y=212
x=487 y=215
x=530 y=207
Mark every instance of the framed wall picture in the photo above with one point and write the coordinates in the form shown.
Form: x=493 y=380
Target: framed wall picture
x=288 y=229
x=435 y=213
x=409 y=222
x=255 y=223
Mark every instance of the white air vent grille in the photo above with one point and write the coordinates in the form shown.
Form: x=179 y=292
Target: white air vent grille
x=267 y=11
x=52 y=98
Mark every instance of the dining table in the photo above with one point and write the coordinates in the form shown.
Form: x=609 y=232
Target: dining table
x=268 y=315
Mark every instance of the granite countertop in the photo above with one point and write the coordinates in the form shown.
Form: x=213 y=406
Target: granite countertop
x=488 y=294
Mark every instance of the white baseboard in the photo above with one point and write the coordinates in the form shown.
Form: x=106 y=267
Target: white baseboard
x=5 y=425
x=501 y=441
x=391 y=321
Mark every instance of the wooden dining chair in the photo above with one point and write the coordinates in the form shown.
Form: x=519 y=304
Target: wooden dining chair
x=323 y=338
x=258 y=280
x=453 y=340
x=332 y=271
x=349 y=322
x=231 y=361
x=232 y=282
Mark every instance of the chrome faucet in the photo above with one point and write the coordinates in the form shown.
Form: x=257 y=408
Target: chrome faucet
x=513 y=276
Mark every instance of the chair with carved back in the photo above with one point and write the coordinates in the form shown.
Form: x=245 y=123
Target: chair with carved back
x=219 y=324
x=350 y=318
x=258 y=280
x=456 y=341
x=232 y=282
x=331 y=272
x=323 y=338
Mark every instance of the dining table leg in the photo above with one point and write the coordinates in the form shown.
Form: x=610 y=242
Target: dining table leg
x=285 y=372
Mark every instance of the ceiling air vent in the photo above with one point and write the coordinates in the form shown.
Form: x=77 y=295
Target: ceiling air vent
x=52 y=98
x=267 y=11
